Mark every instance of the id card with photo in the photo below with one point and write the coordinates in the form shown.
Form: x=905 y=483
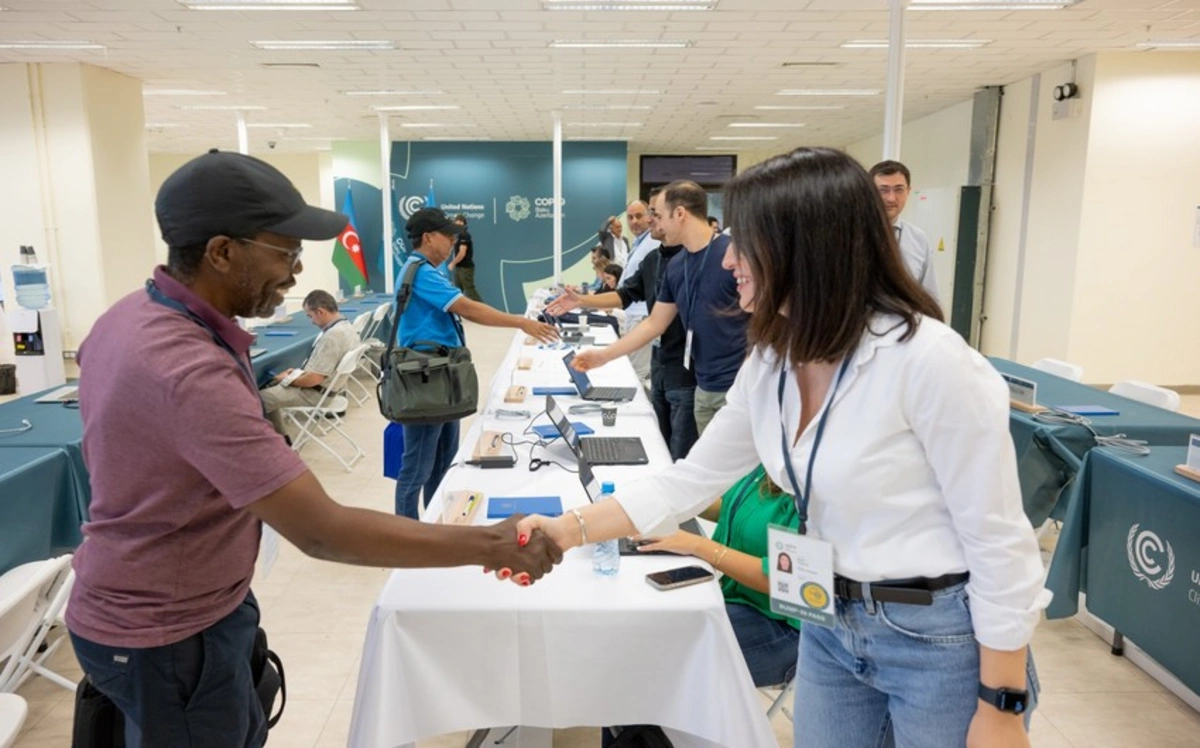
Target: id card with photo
x=801 y=576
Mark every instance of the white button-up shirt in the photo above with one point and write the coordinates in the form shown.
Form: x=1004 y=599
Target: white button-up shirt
x=643 y=245
x=915 y=476
x=917 y=256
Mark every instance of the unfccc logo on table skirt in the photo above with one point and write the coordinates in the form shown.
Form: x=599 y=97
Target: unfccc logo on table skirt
x=1145 y=551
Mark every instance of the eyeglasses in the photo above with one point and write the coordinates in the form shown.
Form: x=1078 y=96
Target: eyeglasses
x=897 y=190
x=293 y=253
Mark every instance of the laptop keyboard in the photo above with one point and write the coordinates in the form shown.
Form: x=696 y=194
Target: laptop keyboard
x=608 y=393
x=599 y=451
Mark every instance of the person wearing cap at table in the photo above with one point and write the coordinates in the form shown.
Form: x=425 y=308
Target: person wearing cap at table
x=185 y=468
x=432 y=316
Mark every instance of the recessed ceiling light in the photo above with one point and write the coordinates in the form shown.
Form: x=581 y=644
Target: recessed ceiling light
x=604 y=124
x=597 y=137
x=744 y=137
x=766 y=124
x=180 y=92
x=392 y=93
x=595 y=107
x=327 y=5
x=223 y=108
x=450 y=138
x=279 y=125
x=58 y=46
x=659 y=5
x=414 y=107
x=828 y=92
x=918 y=44
x=801 y=107
x=620 y=44
x=435 y=124
x=610 y=92
x=1169 y=44
x=275 y=45
x=991 y=4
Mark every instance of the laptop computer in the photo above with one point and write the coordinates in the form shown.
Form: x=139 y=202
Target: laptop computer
x=568 y=335
x=597 y=450
x=588 y=392
x=627 y=546
x=68 y=394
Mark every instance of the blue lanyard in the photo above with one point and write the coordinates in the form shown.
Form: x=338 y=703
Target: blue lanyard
x=690 y=288
x=802 y=497
x=157 y=295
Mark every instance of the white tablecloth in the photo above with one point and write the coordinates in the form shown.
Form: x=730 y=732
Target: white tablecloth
x=454 y=649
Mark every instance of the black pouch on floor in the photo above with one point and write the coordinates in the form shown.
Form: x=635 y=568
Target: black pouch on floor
x=267 y=669
x=98 y=721
x=637 y=736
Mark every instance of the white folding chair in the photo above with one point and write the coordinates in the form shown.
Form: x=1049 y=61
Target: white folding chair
x=359 y=391
x=317 y=422
x=31 y=598
x=12 y=715
x=1060 y=369
x=1144 y=392
x=781 y=701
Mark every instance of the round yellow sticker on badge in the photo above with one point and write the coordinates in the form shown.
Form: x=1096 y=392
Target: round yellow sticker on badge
x=814 y=595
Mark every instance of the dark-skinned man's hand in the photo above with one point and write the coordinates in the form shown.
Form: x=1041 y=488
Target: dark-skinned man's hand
x=523 y=558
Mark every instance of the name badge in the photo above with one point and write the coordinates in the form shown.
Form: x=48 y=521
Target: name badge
x=268 y=549
x=1023 y=391
x=687 y=350
x=801 y=576
x=1193 y=455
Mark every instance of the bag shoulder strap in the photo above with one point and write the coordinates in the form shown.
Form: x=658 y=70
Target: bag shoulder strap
x=403 y=296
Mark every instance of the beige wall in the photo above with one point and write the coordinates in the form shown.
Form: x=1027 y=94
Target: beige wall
x=312 y=173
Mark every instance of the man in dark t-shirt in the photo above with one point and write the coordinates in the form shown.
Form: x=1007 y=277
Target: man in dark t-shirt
x=462 y=267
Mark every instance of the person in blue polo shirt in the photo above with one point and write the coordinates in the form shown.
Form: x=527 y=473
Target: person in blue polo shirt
x=432 y=315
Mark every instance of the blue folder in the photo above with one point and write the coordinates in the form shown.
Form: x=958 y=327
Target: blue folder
x=555 y=391
x=549 y=432
x=501 y=507
x=279 y=333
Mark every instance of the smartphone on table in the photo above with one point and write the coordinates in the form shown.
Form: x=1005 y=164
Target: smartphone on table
x=675 y=578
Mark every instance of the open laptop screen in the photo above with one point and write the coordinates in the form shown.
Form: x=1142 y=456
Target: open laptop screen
x=563 y=424
x=581 y=380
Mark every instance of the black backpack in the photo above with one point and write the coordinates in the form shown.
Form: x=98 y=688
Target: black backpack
x=100 y=724
x=636 y=736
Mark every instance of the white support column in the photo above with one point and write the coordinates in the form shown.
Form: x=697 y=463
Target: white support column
x=243 y=136
x=558 y=197
x=385 y=192
x=894 y=113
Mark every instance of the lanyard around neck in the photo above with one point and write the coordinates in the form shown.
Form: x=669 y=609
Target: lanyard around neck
x=802 y=496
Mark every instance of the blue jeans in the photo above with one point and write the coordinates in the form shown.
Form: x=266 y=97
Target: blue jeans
x=197 y=692
x=892 y=674
x=675 y=410
x=769 y=646
x=428 y=452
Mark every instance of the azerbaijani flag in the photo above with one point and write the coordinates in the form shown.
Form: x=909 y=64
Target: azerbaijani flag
x=347 y=253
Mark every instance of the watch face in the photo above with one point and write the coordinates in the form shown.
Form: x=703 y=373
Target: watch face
x=1012 y=701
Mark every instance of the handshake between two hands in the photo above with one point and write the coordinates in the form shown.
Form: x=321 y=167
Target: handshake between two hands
x=527 y=548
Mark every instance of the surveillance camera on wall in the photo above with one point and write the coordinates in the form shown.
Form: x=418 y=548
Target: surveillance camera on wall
x=272 y=143
x=1066 y=91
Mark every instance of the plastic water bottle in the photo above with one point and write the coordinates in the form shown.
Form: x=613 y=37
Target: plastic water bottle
x=29 y=281
x=606 y=559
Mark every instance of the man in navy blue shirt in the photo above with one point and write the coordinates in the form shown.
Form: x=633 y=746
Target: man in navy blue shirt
x=698 y=291
x=432 y=315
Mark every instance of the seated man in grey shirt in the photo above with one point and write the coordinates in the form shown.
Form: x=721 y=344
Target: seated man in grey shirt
x=338 y=337
x=894 y=183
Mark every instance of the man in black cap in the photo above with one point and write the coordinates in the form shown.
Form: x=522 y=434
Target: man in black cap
x=185 y=468
x=432 y=315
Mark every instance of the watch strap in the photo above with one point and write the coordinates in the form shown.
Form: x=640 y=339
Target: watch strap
x=1011 y=700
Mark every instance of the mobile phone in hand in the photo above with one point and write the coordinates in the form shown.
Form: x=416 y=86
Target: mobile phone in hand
x=675 y=578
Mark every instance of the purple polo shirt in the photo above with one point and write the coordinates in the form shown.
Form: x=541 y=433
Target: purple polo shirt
x=177 y=447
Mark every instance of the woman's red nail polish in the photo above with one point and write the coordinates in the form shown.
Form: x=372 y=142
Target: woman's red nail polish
x=486 y=570
x=525 y=583
x=522 y=540
x=505 y=573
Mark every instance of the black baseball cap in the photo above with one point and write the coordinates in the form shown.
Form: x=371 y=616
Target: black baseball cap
x=430 y=219
x=238 y=196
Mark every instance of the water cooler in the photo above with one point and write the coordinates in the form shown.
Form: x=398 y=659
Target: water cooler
x=35 y=327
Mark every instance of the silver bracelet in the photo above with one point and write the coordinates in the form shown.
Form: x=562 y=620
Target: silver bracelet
x=582 y=526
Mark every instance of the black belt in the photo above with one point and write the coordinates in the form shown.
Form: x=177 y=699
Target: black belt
x=912 y=591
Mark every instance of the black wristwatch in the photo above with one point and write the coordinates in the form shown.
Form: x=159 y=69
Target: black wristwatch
x=1005 y=699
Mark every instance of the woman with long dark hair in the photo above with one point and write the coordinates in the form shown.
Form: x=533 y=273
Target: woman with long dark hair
x=891 y=434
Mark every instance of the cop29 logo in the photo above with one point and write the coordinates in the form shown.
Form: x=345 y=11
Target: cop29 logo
x=411 y=204
x=517 y=208
x=1145 y=551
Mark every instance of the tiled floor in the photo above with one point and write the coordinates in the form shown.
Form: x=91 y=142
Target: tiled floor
x=316 y=615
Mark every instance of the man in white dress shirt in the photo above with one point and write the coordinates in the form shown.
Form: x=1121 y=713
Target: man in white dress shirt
x=894 y=183
x=638 y=217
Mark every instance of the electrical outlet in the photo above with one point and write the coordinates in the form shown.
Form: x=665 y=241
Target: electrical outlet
x=70 y=355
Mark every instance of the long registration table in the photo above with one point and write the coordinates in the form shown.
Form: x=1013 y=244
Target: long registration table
x=454 y=649
x=1049 y=455
x=1130 y=542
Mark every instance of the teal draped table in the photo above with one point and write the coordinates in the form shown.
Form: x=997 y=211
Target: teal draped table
x=282 y=351
x=1050 y=454
x=1131 y=541
x=39 y=507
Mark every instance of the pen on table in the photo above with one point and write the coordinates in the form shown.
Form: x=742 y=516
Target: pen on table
x=470 y=503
